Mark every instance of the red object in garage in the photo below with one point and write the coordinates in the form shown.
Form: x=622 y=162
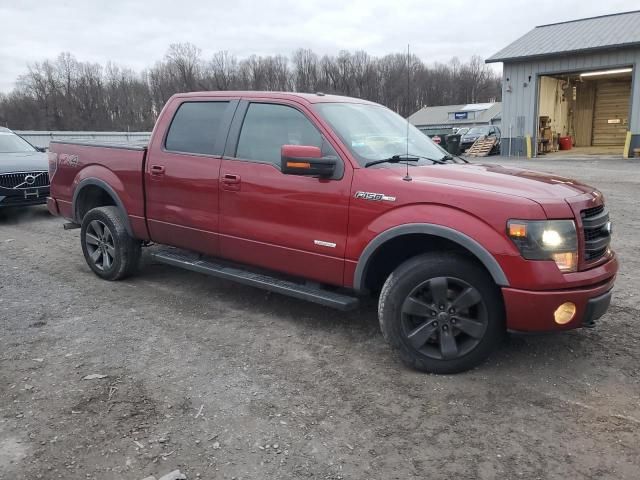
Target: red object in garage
x=565 y=143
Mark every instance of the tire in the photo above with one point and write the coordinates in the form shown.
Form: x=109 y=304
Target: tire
x=109 y=250
x=424 y=334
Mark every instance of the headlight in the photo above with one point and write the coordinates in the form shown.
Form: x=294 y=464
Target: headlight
x=546 y=240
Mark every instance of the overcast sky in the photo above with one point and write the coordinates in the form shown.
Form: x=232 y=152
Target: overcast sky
x=136 y=33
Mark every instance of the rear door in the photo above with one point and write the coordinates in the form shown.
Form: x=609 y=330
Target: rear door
x=182 y=174
x=289 y=223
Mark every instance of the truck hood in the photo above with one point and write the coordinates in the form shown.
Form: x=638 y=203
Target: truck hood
x=535 y=186
x=23 y=162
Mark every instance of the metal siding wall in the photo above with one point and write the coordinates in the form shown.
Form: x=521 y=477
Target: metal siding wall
x=522 y=100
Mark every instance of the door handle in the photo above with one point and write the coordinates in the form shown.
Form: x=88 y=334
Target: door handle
x=230 y=179
x=157 y=169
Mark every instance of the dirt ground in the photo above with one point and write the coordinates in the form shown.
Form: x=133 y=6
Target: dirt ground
x=224 y=381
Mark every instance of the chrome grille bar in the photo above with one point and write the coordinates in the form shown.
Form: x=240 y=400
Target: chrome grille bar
x=24 y=180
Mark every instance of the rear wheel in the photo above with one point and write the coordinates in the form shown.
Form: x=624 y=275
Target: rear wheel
x=442 y=312
x=109 y=250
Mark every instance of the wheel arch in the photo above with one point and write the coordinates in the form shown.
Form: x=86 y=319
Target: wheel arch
x=85 y=193
x=444 y=234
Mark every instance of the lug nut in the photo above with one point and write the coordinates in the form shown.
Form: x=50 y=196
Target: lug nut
x=452 y=310
x=453 y=320
x=441 y=307
x=435 y=324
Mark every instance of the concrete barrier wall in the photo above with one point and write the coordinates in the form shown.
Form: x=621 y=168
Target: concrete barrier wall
x=42 y=138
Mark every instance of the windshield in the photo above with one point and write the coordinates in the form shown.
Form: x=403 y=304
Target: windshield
x=373 y=132
x=478 y=131
x=12 y=143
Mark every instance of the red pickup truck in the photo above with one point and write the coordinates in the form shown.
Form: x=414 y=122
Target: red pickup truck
x=329 y=198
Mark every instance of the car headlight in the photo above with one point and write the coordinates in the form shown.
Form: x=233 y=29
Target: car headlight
x=555 y=240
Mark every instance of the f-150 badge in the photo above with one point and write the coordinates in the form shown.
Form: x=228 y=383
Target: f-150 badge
x=376 y=197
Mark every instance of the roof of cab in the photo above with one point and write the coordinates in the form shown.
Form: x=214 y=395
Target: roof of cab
x=305 y=97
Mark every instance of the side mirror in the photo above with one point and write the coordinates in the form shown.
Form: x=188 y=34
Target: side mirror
x=306 y=160
x=42 y=149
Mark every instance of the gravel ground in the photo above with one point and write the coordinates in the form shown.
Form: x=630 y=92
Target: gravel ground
x=226 y=381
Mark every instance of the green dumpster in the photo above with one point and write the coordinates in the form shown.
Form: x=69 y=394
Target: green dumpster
x=453 y=144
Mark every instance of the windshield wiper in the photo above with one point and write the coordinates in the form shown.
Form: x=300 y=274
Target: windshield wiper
x=452 y=157
x=402 y=158
x=394 y=159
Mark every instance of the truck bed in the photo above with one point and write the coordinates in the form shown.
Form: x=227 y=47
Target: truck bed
x=118 y=165
x=137 y=145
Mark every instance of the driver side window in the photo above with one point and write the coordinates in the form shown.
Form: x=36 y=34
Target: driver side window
x=268 y=126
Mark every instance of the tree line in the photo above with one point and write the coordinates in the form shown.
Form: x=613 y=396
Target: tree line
x=67 y=94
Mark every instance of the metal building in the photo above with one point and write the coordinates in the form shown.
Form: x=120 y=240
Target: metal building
x=573 y=83
x=443 y=119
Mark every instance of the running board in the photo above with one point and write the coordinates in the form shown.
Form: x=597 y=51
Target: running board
x=208 y=266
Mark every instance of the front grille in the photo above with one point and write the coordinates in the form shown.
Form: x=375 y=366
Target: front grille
x=595 y=254
x=591 y=212
x=23 y=180
x=591 y=234
x=597 y=236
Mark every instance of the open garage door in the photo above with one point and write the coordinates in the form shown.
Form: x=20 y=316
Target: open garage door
x=611 y=112
x=591 y=110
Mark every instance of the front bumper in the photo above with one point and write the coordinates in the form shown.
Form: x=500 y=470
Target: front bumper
x=533 y=311
x=18 y=198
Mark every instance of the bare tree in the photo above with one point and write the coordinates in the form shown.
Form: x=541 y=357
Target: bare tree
x=183 y=62
x=305 y=69
x=223 y=70
x=66 y=94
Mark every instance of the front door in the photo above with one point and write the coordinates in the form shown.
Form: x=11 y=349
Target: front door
x=182 y=175
x=289 y=223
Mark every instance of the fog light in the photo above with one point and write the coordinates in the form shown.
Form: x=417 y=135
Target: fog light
x=565 y=313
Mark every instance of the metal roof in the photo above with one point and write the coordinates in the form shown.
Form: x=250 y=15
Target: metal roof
x=475 y=107
x=440 y=115
x=587 y=34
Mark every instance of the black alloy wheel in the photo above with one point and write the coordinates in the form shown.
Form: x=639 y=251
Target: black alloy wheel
x=108 y=248
x=444 y=318
x=442 y=312
x=100 y=245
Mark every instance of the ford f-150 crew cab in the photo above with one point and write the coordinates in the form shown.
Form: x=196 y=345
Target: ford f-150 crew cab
x=330 y=198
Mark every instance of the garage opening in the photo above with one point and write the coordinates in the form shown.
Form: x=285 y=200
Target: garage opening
x=584 y=113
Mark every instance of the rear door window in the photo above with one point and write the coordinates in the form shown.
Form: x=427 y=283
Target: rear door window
x=195 y=127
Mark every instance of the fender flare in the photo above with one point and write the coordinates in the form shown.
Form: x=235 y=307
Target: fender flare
x=107 y=188
x=489 y=262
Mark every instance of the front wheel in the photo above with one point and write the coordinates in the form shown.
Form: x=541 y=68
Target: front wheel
x=442 y=312
x=109 y=250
